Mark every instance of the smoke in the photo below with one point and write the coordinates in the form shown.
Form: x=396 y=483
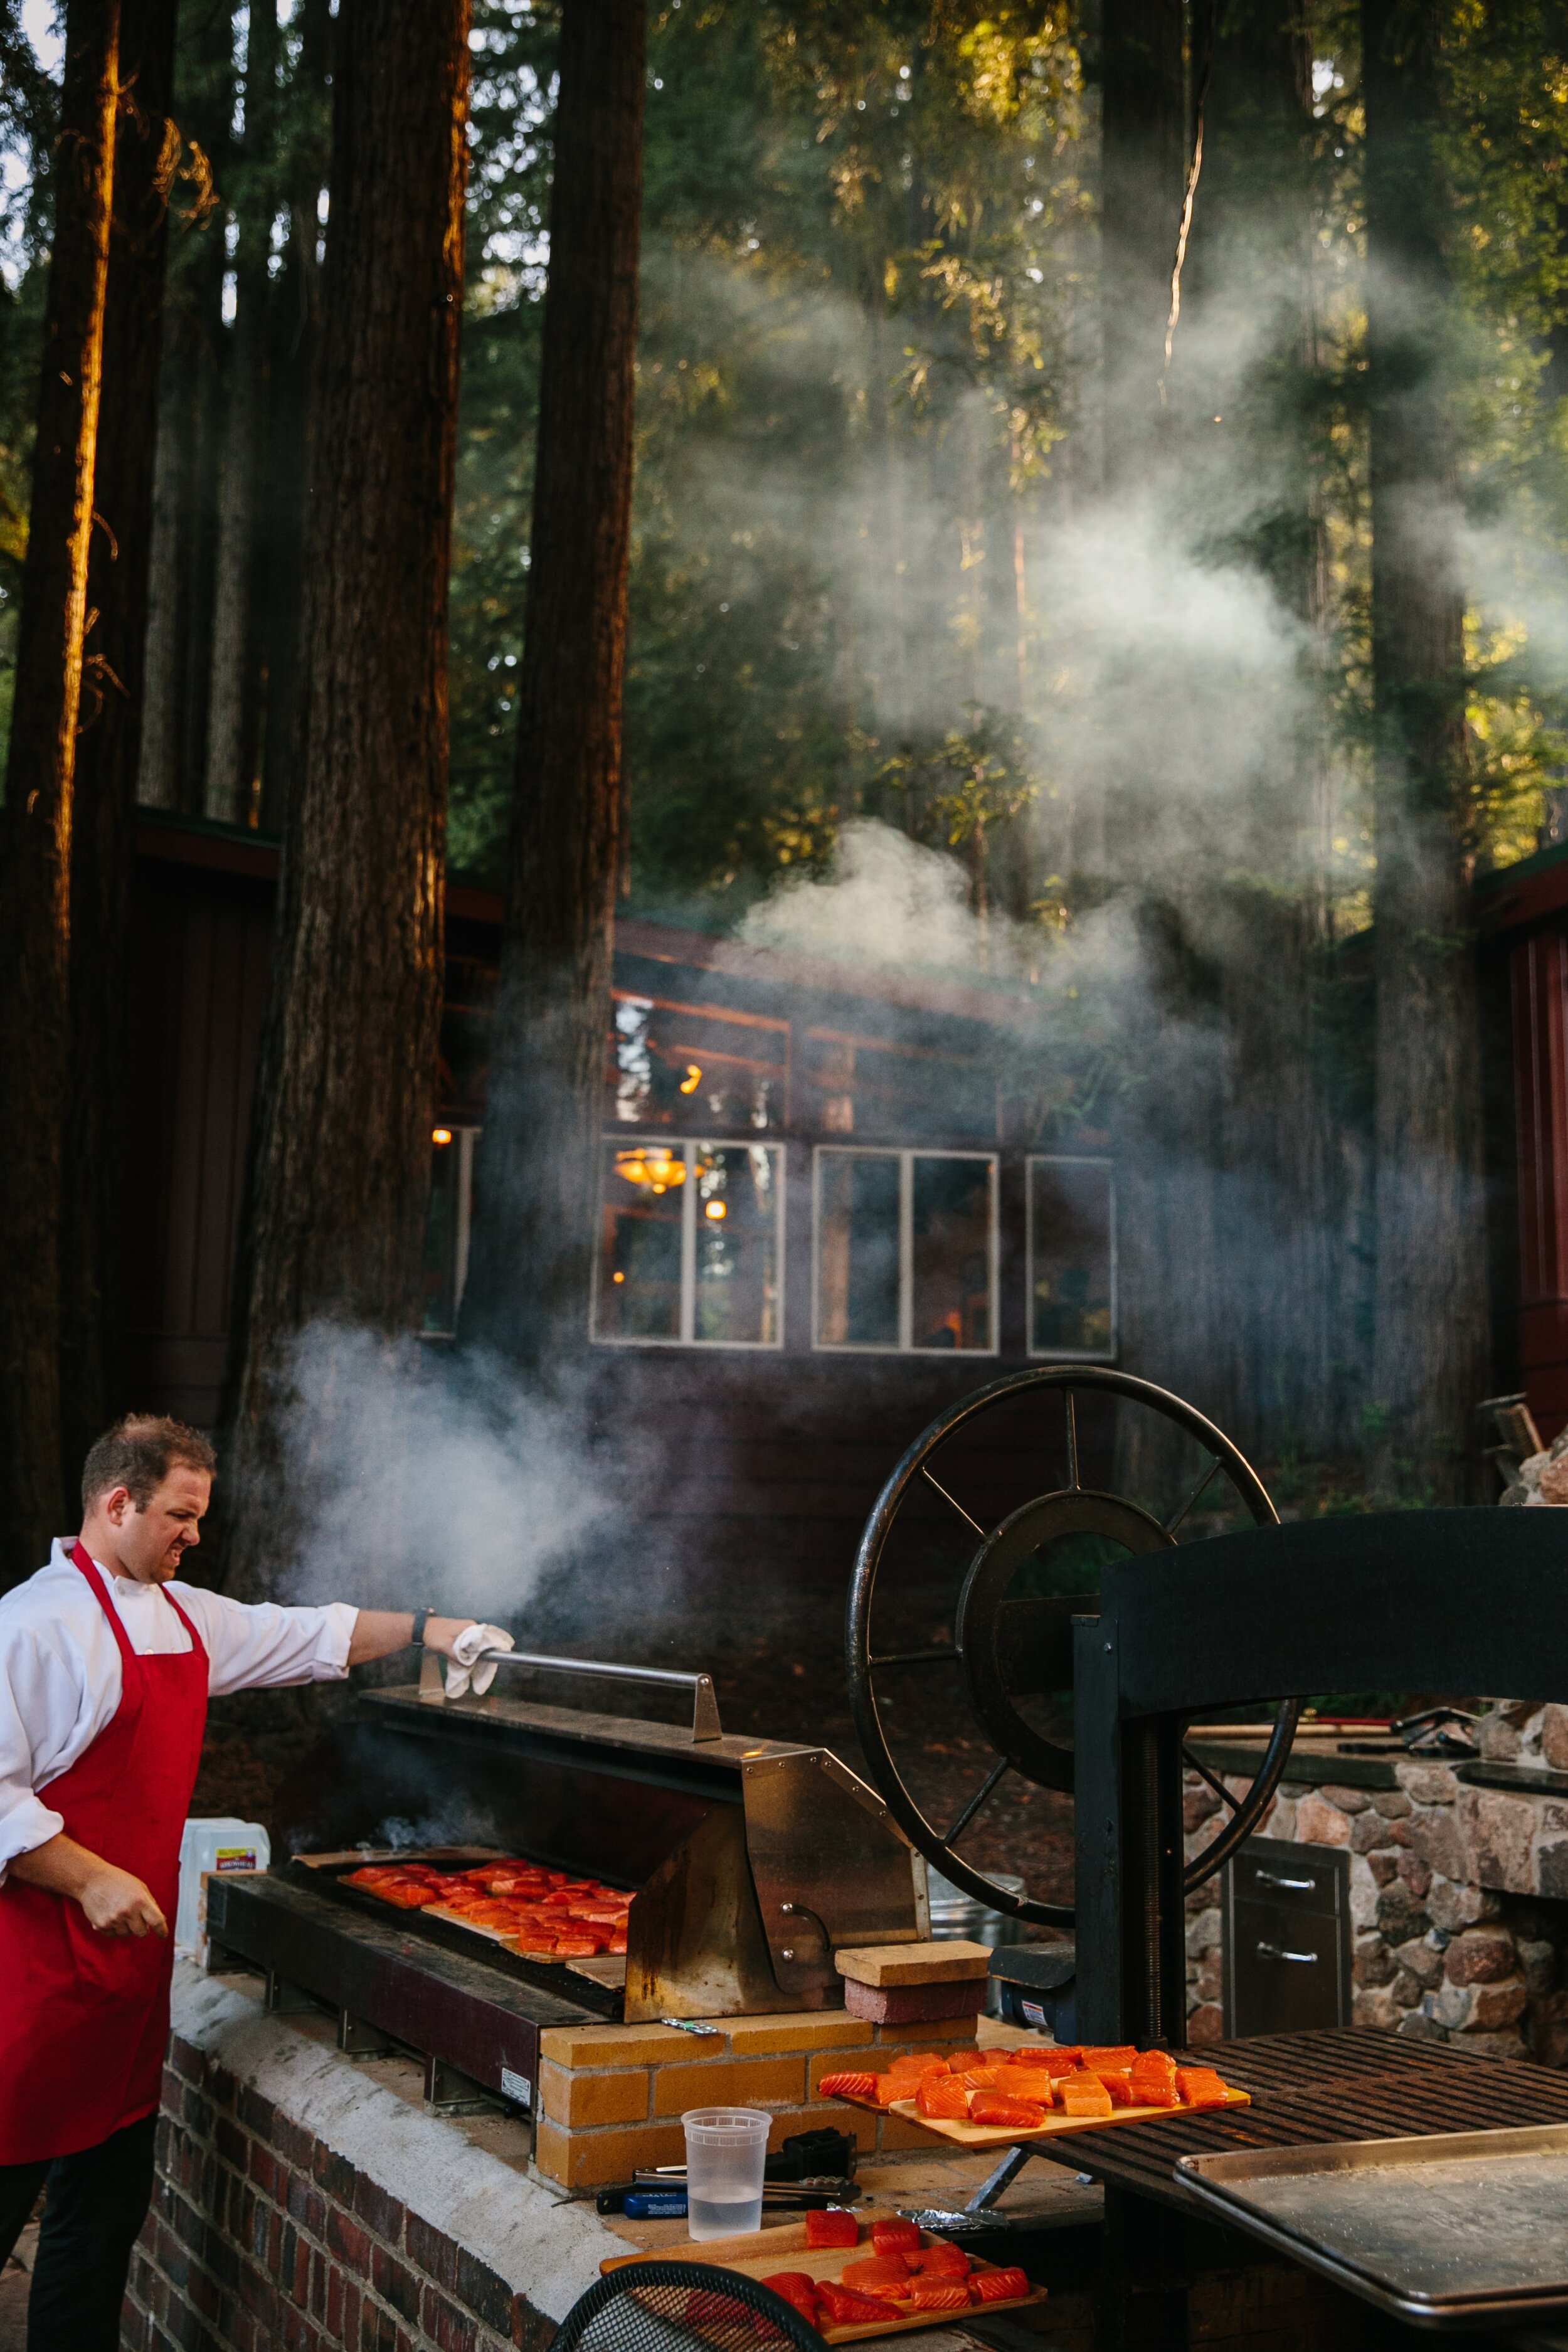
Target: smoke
x=414 y=1478
x=890 y=901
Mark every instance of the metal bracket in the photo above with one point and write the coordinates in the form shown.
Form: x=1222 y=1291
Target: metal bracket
x=357 y=2038
x=450 y=2092
x=994 y=2183
x=286 y=2000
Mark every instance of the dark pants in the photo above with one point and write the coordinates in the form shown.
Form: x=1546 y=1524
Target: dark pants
x=93 y=2212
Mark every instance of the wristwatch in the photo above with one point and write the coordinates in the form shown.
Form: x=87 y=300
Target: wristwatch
x=421 y=1618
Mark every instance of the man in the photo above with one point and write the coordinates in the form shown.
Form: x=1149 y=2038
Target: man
x=106 y=1667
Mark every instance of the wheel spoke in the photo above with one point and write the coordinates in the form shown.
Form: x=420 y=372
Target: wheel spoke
x=1070 y=1407
x=967 y=1815
x=916 y=1657
x=946 y=1497
x=1172 y=1525
x=1221 y=1791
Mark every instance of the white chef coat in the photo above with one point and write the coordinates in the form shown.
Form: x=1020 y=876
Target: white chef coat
x=60 y=1676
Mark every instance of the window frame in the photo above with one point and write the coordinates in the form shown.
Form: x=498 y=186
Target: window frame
x=688 y=1146
x=1071 y=1355
x=906 y=1154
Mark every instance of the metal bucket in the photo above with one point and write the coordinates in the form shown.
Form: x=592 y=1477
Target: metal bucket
x=957 y=1916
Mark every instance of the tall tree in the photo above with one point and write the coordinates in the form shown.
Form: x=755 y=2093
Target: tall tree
x=342 y=1150
x=533 y=1236
x=1431 y=1320
x=34 y=869
x=1143 y=158
x=147 y=152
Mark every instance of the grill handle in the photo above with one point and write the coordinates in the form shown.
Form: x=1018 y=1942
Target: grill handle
x=1290 y=1885
x=705 y=1723
x=1276 y=1952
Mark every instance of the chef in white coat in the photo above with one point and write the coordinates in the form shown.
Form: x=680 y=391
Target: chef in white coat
x=107 y=1662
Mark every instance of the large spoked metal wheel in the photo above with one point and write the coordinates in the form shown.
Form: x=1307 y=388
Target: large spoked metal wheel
x=1009 y=1646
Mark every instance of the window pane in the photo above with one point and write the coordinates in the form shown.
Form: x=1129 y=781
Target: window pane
x=952 y=1253
x=640 y=1243
x=1070 y=1222
x=736 y=1244
x=441 y=1235
x=857 y=1249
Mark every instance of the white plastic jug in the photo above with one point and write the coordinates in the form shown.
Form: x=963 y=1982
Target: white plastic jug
x=220 y=1843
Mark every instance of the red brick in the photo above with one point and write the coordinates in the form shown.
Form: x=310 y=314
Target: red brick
x=452 y=2330
x=262 y=2166
x=185 y=2060
x=434 y=2252
x=334 y=2173
x=221 y=2084
x=308 y=2206
x=290 y=2141
x=255 y=2113
x=348 y=2241
x=377 y=2211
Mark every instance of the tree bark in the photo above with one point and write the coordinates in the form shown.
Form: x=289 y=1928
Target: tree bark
x=1431 y=1343
x=530 y=1266
x=1144 y=152
x=235 y=693
x=341 y=1153
x=34 y=873
x=108 y=747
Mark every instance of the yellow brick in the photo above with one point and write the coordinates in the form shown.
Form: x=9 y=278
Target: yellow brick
x=625 y=2045
x=587 y=2159
x=571 y=2096
x=728 y=2082
x=845 y=2062
x=752 y=2037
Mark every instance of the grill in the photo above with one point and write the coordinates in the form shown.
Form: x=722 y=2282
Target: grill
x=1308 y=2088
x=750 y=1862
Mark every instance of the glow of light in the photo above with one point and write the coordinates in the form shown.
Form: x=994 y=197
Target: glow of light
x=617 y=1277
x=693 y=1080
x=648 y=1165
x=717 y=1210
x=440 y=1135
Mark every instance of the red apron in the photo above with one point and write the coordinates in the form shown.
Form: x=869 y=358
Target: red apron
x=84 y=2018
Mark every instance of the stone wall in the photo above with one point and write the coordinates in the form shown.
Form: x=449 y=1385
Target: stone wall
x=1454 y=1930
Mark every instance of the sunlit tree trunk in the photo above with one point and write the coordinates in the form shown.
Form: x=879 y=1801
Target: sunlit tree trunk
x=1430 y=1356
x=34 y=869
x=147 y=147
x=530 y=1266
x=341 y=1153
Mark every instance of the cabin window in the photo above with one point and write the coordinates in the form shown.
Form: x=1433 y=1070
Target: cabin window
x=906 y=1250
x=446 y=1228
x=1072 y=1258
x=690 y=1244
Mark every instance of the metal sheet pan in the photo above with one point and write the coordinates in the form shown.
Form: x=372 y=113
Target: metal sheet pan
x=1449 y=2230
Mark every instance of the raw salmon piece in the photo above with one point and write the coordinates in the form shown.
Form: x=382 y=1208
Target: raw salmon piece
x=832 y=2227
x=999 y=2287
x=577 y=1947
x=994 y=2108
x=1153 y=2080
x=1028 y=2083
x=1200 y=2086
x=898 y=2237
x=1119 y=2055
x=847 y=2086
x=895 y=2086
x=408 y=1895
x=1118 y=2085
x=942 y=2260
x=1056 y=2058
x=912 y=2063
x=944 y=2096
x=843 y=2306
x=988 y=2078
x=877 y=2270
x=788 y=2281
x=940 y=2294
x=959 y=2061
x=1084 y=2095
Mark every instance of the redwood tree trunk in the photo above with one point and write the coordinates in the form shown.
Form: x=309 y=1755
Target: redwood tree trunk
x=108 y=747
x=1142 y=168
x=1430 y=1348
x=530 y=1266
x=342 y=1152
x=34 y=872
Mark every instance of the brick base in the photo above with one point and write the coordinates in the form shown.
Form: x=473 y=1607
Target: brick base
x=260 y=2235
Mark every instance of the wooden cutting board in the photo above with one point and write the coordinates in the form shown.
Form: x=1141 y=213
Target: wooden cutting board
x=763 y=2251
x=914 y=1964
x=970 y=2135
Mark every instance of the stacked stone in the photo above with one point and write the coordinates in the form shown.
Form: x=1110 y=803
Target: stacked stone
x=1434 y=1953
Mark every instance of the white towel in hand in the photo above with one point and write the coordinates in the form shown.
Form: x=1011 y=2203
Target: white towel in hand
x=462 y=1674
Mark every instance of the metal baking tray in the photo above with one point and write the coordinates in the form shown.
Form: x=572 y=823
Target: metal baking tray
x=1449 y=2230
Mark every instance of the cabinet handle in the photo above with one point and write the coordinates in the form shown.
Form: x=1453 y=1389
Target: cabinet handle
x=1293 y=1886
x=1275 y=1952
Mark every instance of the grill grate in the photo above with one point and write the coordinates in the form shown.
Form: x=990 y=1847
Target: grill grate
x=1352 y=2082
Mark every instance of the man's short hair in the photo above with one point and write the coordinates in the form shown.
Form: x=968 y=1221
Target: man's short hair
x=139 y=1453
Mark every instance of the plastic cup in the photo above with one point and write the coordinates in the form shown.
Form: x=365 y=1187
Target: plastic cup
x=726 y=2149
